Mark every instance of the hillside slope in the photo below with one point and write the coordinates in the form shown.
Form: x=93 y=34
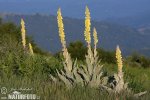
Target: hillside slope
x=45 y=33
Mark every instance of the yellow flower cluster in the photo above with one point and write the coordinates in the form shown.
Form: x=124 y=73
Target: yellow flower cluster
x=87 y=33
x=23 y=33
x=119 y=59
x=95 y=36
x=30 y=49
x=61 y=27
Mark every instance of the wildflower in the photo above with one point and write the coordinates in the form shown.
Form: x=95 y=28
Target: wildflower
x=30 y=49
x=95 y=41
x=23 y=33
x=95 y=36
x=119 y=59
x=87 y=33
x=61 y=28
x=66 y=55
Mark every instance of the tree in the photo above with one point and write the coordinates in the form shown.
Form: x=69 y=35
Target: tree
x=77 y=50
x=106 y=56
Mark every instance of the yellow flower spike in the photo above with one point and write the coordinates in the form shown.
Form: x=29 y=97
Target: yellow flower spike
x=23 y=33
x=95 y=36
x=95 y=41
x=87 y=33
x=119 y=59
x=61 y=28
x=30 y=49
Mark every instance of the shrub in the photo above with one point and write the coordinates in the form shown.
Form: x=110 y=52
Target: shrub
x=77 y=50
x=138 y=60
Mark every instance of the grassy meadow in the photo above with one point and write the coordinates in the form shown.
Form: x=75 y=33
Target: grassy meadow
x=37 y=77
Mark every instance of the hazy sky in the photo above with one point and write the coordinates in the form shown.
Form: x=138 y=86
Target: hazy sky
x=100 y=9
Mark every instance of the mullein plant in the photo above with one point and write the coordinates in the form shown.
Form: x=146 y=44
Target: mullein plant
x=86 y=75
x=92 y=70
x=119 y=77
x=87 y=33
x=89 y=74
x=23 y=33
x=118 y=85
x=66 y=55
x=69 y=74
x=31 y=49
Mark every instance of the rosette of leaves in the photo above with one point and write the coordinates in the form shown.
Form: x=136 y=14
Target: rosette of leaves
x=92 y=70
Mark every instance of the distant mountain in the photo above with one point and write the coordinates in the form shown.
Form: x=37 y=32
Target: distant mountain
x=144 y=30
x=140 y=20
x=45 y=33
x=141 y=23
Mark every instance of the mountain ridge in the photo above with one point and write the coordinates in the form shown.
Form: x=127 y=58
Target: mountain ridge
x=45 y=33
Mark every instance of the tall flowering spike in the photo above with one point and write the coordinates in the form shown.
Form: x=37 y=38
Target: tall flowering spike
x=119 y=59
x=23 y=33
x=87 y=33
x=95 y=36
x=30 y=49
x=61 y=28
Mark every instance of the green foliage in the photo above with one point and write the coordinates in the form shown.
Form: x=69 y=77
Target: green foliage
x=21 y=63
x=107 y=56
x=0 y=20
x=9 y=31
x=10 y=35
x=15 y=60
x=79 y=50
x=136 y=60
x=49 y=91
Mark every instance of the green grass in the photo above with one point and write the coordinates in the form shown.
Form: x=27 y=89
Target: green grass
x=23 y=71
x=38 y=79
x=43 y=87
